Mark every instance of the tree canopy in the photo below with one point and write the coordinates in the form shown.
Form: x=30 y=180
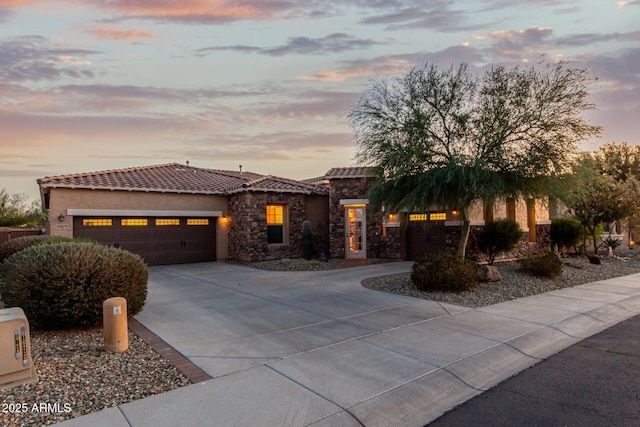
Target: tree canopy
x=620 y=161
x=14 y=211
x=602 y=188
x=444 y=137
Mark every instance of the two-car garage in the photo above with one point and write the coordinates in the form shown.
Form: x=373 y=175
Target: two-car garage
x=166 y=239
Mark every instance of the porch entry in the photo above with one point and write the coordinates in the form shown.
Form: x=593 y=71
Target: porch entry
x=355 y=216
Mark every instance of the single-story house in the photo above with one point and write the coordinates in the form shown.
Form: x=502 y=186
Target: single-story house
x=175 y=213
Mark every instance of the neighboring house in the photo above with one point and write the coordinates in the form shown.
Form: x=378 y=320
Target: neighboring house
x=174 y=213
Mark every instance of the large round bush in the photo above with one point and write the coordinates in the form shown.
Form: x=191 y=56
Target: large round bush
x=444 y=272
x=542 y=265
x=565 y=232
x=499 y=236
x=12 y=246
x=63 y=285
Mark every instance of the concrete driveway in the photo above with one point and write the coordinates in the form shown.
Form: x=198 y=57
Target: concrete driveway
x=227 y=318
x=316 y=348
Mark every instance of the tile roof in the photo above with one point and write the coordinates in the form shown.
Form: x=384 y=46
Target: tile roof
x=319 y=180
x=278 y=184
x=178 y=178
x=349 y=172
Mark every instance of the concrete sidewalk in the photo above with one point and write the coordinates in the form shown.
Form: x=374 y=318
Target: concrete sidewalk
x=318 y=349
x=593 y=383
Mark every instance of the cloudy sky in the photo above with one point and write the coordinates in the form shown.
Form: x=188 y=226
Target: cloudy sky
x=101 y=84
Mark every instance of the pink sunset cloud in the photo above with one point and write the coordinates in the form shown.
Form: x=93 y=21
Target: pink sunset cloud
x=194 y=11
x=118 y=34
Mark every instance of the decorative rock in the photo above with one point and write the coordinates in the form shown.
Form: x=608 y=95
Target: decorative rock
x=285 y=261
x=489 y=273
x=594 y=259
x=78 y=377
x=575 y=265
x=515 y=284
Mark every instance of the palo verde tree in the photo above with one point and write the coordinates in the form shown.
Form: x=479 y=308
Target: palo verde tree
x=446 y=137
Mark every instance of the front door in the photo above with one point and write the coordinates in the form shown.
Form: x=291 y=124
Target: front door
x=355 y=235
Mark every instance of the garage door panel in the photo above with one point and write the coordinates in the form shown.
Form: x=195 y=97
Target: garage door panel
x=166 y=245
x=164 y=233
x=424 y=237
x=174 y=244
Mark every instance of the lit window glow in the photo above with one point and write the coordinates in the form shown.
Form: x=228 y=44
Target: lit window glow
x=198 y=221
x=275 y=215
x=134 y=222
x=167 y=221
x=97 y=222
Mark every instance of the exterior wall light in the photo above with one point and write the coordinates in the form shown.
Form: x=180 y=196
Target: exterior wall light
x=61 y=217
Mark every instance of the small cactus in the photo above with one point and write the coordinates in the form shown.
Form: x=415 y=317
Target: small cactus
x=307 y=242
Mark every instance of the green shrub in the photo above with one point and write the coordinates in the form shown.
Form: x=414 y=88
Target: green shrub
x=63 y=285
x=565 y=232
x=444 y=272
x=499 y=236
x=612 y=242
x=545 y=265
x=12 y=246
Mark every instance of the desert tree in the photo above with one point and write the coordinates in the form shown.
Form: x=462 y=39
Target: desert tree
x=596 y=198
x=445 y=137
x=14 y=210
x=620 y=161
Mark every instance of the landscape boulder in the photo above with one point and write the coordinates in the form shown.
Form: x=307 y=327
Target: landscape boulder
x=489 y=273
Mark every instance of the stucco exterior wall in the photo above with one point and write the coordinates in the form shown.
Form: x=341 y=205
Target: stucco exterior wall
x=62 y=199
x=317 y=213
x=476 y=211
x=541 y=212
x=521 y=214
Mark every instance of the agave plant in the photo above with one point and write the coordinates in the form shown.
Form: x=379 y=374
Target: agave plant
x=612 y=242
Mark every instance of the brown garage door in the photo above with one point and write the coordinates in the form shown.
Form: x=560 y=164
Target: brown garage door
x=425 y=234
x=157 y=240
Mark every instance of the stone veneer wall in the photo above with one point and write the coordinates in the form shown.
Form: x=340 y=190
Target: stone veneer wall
x=248 y=229
x=391 y=244
x=523 y=249
x=388 y=246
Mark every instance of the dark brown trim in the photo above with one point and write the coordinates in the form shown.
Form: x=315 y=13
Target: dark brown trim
x=511 y=208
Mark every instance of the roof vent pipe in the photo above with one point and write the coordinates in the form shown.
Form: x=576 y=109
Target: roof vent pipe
x=240 y=169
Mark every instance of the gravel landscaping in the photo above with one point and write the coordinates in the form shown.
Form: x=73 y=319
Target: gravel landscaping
x=77 y=376
x=514 y=284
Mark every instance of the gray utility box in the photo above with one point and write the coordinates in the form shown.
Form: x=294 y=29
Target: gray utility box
x=16 y=365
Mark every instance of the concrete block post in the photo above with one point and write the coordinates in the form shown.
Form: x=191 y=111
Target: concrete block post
x=114 y=315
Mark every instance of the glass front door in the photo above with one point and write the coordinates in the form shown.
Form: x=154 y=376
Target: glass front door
x=355 y=235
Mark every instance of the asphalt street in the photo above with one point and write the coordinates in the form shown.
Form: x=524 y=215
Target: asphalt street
x=593 y=383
